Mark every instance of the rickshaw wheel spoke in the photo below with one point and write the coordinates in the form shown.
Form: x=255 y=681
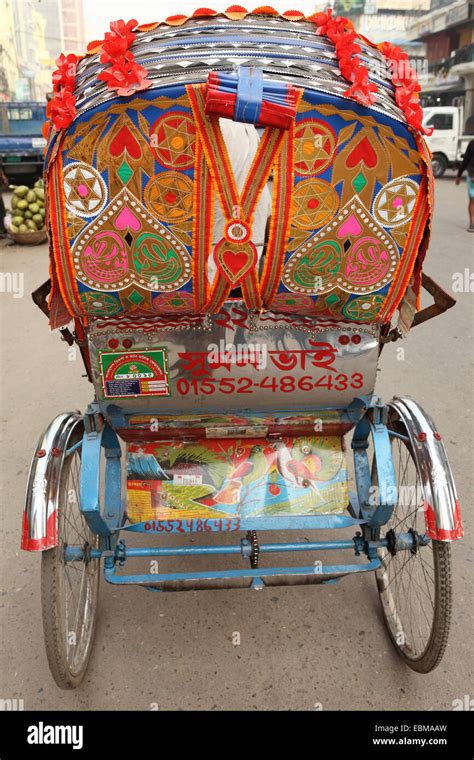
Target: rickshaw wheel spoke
x=414 y=587
x=69 y=589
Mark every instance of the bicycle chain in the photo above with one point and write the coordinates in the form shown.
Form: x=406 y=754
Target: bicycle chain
x=255 y=551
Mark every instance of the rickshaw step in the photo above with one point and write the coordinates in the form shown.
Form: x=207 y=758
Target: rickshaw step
x=257 y=578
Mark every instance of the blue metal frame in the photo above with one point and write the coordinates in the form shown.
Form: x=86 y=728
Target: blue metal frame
x=370 y=509
x=376 y=502
x=296 y=522
x=256 y=576
x=103 y=521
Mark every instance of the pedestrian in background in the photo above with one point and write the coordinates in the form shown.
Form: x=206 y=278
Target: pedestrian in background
x=467 y=164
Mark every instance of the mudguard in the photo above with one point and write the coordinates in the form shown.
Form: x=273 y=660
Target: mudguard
x=441 y=505
x=40 y=516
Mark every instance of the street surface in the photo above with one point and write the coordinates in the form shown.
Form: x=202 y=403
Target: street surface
x=301 y=648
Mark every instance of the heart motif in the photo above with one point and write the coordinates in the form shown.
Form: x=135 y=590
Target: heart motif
x=350 y=227
x=234 y=262
x=124 y=140
x=127 y=220
x=363 y=152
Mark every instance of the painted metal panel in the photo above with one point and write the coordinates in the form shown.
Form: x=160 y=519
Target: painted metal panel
x=235 y=362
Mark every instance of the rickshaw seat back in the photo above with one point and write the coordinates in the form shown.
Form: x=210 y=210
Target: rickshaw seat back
x=138 y=185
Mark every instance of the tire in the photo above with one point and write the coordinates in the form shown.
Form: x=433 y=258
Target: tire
x=439 y=165
x=68 y=647
x=415 y=588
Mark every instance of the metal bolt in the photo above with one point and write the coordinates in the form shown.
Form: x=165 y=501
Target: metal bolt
x=41 y=453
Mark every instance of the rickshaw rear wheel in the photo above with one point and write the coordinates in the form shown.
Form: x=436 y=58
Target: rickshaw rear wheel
x=415 y=587
x=69 y=590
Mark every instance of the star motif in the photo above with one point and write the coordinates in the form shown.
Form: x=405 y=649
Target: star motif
x=84 y=190
x=314 y=148
x=170 y=195
x=175 y=134
x=315 y=203
x=395 y=202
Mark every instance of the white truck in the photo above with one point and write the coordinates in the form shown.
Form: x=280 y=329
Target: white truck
x=447 y=143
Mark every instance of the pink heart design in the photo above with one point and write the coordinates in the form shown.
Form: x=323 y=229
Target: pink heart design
x=127 y=218
x=350 y=227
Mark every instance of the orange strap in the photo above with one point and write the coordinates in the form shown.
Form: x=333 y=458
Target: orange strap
x=238 y=209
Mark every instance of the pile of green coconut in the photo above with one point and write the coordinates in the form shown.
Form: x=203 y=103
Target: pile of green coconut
x=27 y=208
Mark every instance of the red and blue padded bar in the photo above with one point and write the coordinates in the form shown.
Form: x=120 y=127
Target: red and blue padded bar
x=247 y=97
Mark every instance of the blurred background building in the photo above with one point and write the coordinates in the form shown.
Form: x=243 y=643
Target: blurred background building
x=32 y=35
x=391 y=21
x=448 y=33
x=385 y=20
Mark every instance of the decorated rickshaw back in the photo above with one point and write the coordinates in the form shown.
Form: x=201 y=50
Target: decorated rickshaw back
x=138 y=172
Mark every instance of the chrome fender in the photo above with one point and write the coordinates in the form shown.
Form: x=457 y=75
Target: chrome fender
x=40 y=515
x=441 y=505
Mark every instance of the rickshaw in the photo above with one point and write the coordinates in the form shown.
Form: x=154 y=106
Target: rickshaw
x=239 y=206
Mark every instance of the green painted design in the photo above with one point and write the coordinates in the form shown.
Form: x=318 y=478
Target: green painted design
x=156 y=260
x=100 y=304
x=363 y=308
x=125 y=172
x=135 y=297
x=185 y=497
x=320 y=264
x=359 y=182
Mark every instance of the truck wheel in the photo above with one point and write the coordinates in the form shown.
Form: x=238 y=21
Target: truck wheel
x=439 y=164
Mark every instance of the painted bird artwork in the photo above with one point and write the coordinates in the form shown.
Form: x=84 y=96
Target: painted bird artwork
x=309 y=462
x=308 y=477
x=144 y=466
x=243 y=476
x=298 y=473
x=249 y=465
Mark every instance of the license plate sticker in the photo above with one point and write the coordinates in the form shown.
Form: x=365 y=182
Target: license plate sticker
x=135 y=373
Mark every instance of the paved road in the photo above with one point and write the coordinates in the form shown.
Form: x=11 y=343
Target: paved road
x=299 y=647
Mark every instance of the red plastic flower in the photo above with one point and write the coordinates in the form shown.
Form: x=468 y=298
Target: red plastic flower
x=118 y=41
x=394 y=52
x=321 y=21
x=407 y=87
x=61 y=109
x=342 y=34
x=362 y=92
x=407 y=93
x=65 y=74
x=126 y=77
x=124 y=29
